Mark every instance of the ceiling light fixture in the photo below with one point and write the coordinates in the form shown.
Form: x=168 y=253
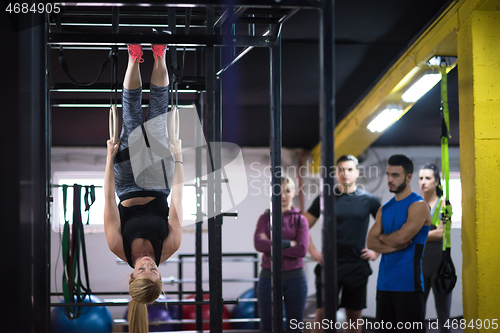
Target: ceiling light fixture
x=385 y=119
x=419 y=88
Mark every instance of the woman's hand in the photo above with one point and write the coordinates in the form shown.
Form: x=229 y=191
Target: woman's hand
x=176 y=149
x=317 y=256
x=112 y=148
x=263 y=236
x=369 y=255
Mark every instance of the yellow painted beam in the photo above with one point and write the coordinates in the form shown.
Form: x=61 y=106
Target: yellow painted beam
x=479 y=103
x=440 y=39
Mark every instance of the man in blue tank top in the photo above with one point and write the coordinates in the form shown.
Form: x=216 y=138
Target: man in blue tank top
x=399 y=233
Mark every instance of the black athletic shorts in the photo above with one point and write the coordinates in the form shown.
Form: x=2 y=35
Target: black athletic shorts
x=353 y=295
x=401 y=311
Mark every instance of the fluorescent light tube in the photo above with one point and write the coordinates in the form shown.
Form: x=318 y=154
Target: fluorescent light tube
x=419 y=88
x=385 y=119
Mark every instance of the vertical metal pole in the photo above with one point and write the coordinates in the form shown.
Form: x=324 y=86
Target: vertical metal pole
x=21 y=319
x=199 y=192
x=38 y=182
x=213 y=186
x=115 y=17
x=173 y=28
x=180 y=288
x=327 y=102
x=48 y=175
x=218 y=188
x=256 y=276
x=29 y=231
x=276 y=216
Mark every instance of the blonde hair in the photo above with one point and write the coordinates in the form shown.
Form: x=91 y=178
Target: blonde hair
x=143 y=291
x=288 y=180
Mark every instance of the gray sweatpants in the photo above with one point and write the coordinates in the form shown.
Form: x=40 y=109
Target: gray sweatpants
x=148 y=168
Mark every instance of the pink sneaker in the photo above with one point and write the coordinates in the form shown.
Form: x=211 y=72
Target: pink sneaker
x=135 y=52
x=159 y=52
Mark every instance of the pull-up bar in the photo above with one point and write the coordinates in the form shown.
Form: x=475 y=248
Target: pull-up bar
x=171 y=40
x=301 y=4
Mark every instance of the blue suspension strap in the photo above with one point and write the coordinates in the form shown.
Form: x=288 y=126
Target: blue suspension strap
x=446 y=276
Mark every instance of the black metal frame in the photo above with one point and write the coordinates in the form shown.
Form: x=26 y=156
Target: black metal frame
x=327 y=68
x=213 y=40
x=26 y=169
x=275 y=143
x=198 y=282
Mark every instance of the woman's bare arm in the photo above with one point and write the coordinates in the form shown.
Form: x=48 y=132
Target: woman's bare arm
x=112 y=227
x=175 y=218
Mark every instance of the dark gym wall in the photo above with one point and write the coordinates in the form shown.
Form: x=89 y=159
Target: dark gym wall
x=24 y=142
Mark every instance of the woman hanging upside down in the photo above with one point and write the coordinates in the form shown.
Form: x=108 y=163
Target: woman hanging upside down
x=142 y=230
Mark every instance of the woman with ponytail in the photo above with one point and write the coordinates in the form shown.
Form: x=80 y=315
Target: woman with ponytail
x=430 y=184
x=142 y=229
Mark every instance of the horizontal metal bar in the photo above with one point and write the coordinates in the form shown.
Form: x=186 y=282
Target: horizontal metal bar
x=90 y=90
x=99 y=106
x=230 y=214
x=188 y=82
x=122 y=25
x=62 y=185
x=124 y=322
x=258 y=20
x=89 y=103
x=104 y=48
x=171 y=40
x=312 y=4
x=189 y=260
x=186 y=258
x=204 y=182
x=171 y=302
x=228 y=254
x=175 y=280
x=126 y=293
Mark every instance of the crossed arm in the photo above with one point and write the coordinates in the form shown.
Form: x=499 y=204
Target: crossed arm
x=298 y=247
x=418 y=215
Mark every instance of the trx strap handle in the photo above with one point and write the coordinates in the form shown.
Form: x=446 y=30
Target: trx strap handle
x=89 y=199
x=173 y=124
x=446 y=276
x=113 y=124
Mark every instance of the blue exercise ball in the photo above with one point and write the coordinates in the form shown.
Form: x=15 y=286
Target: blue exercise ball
x=95 y=319
x=247 y=310
x=158 y=313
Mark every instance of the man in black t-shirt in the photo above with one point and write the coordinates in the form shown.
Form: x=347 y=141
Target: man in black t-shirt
x=353 y=209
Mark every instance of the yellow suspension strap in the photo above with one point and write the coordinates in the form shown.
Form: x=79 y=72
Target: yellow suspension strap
x=446 y=277
x=435 y=217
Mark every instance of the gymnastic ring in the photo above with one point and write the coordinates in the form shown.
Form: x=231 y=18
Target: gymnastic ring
x=173 y=124
x=113 y=124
